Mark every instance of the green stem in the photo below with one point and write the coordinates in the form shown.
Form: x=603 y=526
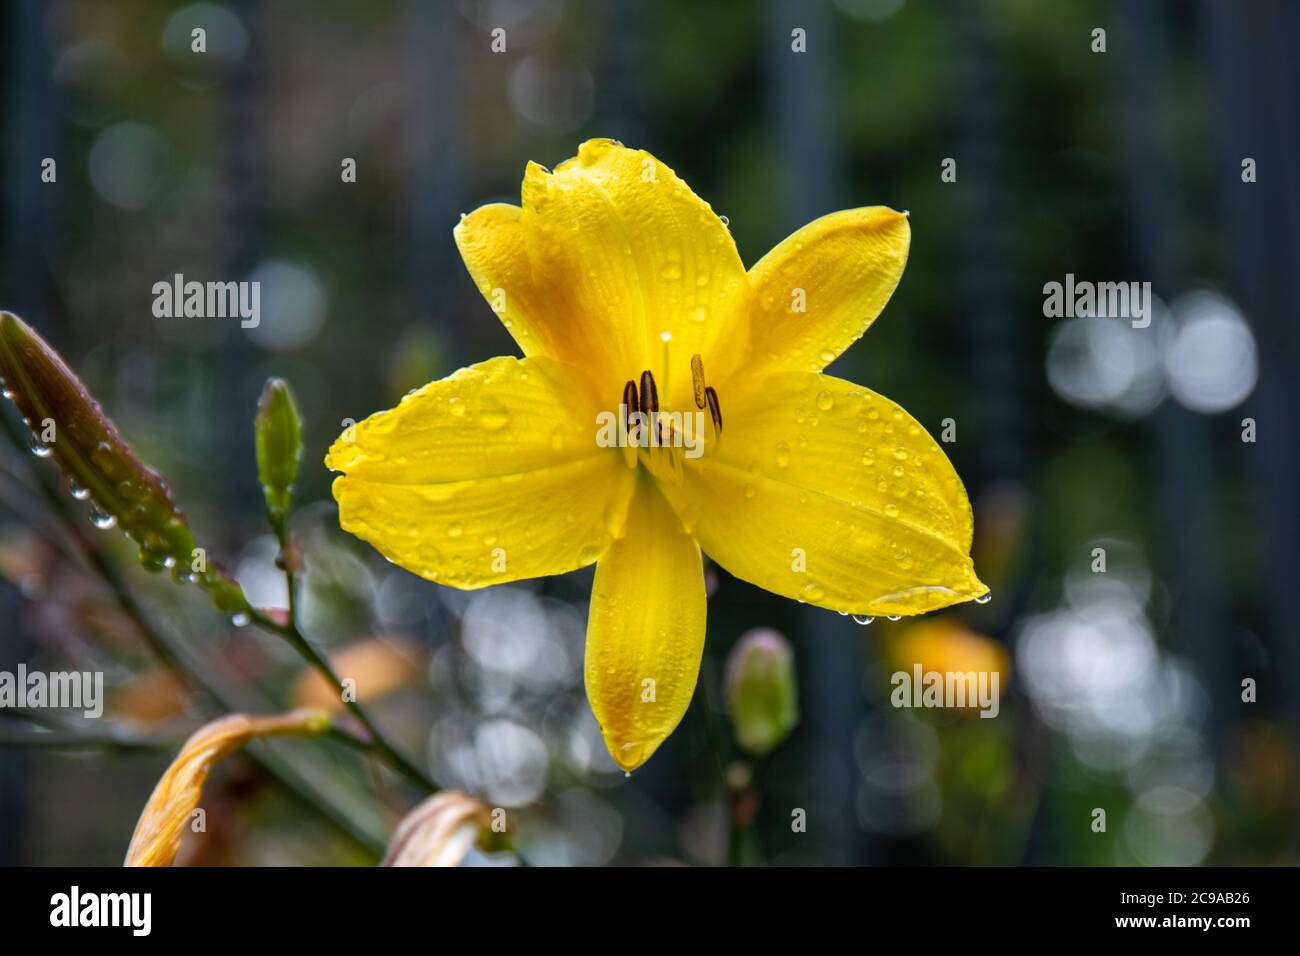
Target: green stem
x=68 y=740
x=316 y=659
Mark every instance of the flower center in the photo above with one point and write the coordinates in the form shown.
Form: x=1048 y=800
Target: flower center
x=660 y=438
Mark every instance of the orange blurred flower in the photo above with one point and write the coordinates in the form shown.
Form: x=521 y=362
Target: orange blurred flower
x=375 y=667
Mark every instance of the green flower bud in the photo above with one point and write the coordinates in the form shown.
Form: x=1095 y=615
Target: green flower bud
x=69 y=426
x=759 y=686
x=279 y=448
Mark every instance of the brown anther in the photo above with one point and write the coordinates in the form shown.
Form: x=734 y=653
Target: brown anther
x=630 y=403
x=715 y=409
x=650 y=404
x=697 y=379
x=649 y=394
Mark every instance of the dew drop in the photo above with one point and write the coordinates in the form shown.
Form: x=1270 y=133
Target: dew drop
x=782 y=455
x=101 y=519
x=825 y=401
x=240 y=620
x=895 y=617
x=671 y=272
x=891 y=509
x=725 y=221
x=41 y=450
x=78 y=492
x=984 y=598
x=494 y=419
x=862 y=619
x=454 y=530
x=812 y=592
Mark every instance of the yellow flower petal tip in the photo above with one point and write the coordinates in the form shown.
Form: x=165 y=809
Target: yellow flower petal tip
x=628 y=299
x=631 y=755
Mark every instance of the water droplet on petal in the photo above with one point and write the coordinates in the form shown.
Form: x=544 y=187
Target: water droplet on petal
x=984 y=598
x=862 y=619
x=78 y=492
x=895 y=617
x=240 y=620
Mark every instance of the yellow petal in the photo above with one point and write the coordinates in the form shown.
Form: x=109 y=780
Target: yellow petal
x=610 y=252
x=840 y=270
x=826 y=492
x=157 y=837
x=495 y=245
x=645 y=634
x=439 y=831
x=490 y=475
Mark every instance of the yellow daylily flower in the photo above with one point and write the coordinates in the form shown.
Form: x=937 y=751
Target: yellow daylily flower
x=640 y=328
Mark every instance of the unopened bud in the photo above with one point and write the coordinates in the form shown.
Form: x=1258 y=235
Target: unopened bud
x=98 y=463
x=759 y=685
x=279 y=447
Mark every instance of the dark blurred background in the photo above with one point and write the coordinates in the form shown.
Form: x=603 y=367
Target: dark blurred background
x=1124 y=687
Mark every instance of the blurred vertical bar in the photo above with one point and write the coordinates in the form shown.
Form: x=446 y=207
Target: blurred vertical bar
x=993 y=323
x=620 y=100
x=1185 y=487
x=830 y=660
x=1256 y=82
x=29 y=137
x=243 y=248
x=438 y=35
x=996 y=347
